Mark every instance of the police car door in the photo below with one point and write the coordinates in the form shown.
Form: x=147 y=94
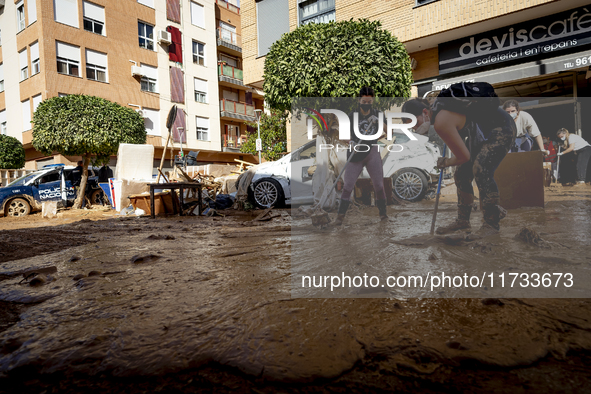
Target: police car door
x=68 y=193
x=48 y=187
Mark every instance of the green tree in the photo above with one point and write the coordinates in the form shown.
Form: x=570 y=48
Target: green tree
x=81 y=125
x=335 y=60
x=273 y=137
x=12 y=153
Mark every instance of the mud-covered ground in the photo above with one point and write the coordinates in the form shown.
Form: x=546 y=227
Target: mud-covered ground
x=126 y=304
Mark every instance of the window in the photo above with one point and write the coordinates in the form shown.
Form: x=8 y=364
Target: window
x=94 y=18
x=1 y=77
x=149 y=81
x=228 y=33
x=96 y=66
x=272 y=22
x=32 y=9
x=3 y=127
x=20 y=16
x=151 y=121
x=197 y=15
x=230 y=61
x=148 y=3
x=26 y=115
x=198 y=53
x=200 y=90
x=24 y=64
x=423 y=2
x=36 y=102
x=68 y=59
x=35 y=66
x=232 y=136
x=202 y=128
x=317 y=11
x=146 y=35
x=66 y=12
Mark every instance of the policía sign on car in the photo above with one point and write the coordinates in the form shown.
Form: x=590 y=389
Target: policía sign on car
x=563 y=31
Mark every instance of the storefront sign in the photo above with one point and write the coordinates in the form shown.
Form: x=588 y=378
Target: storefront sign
x=564 y=31
x=522 y=71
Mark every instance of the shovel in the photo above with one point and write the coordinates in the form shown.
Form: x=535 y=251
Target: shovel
x=558 y=165
x=320 y=217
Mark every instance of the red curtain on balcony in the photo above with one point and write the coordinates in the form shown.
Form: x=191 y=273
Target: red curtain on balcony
x=177 y=89
x=175 y=50
x=173 y=10
x=179 y=122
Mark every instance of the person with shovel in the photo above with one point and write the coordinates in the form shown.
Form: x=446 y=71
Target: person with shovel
x=368 y=124
x=479 y=133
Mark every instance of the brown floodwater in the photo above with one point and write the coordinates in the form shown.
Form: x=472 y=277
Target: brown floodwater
x=148 y=298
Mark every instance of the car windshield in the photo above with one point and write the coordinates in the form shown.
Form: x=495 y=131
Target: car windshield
x=23 y=179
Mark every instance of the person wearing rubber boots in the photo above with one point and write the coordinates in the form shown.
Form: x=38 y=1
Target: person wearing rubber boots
x=479 y=133
x=368 y=124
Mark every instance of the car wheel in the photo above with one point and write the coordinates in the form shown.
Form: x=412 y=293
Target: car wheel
x=410 y=184
x=266 y=193
x=18 y=207
x=96 y=197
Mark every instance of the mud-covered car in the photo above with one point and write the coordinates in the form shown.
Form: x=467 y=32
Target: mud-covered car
x=52 y=183
x=287 y=181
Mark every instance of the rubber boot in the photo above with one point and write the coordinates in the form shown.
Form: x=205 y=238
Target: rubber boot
x=343 y=206
x=382 y=209
x=464 y=211
x=492 y=215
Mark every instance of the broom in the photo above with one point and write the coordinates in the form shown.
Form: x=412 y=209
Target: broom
x=320 y=217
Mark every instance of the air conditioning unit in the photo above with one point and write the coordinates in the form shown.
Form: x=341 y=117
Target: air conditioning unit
x=141 y=113
x=136 y=70
x=164 y=37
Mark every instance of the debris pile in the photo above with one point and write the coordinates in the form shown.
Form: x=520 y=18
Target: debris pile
x=531 y=237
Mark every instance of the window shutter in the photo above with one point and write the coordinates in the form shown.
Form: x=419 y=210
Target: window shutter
x=177 y=90
x=66 y=11
x=96 y=58
x=173 y=10
x=94 y=11
x=272 y=22
x=68 y=51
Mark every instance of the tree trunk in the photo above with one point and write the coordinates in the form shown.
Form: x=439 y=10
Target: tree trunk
x=82 y=188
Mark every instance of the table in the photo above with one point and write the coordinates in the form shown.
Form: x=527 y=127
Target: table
x=172 y=186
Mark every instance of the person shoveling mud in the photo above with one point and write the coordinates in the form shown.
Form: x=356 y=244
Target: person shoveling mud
x=472 y=110
x=468 y=118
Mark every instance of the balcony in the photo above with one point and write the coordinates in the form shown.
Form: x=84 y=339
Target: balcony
x=230 y=41
x=230 y=76
x=237 y=110
x=228 y=5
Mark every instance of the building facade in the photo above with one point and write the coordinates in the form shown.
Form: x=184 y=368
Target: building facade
x=524 y=48
x=147 y=55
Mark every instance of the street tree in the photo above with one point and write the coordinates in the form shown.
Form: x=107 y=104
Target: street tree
x=87 y=126
x=335 y=59
x=12 y=153
x=273 y=136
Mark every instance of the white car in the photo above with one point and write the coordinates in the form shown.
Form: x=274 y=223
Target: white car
x=286 y=181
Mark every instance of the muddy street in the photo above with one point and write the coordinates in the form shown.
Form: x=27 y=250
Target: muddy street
x=197 y=304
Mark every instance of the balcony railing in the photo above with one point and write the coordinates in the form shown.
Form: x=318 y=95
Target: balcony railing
x=229 y=5
x=227 y=37
x=237 y=109
x=229 y=71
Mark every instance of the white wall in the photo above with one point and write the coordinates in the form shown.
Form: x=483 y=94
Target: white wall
x=209 y=73
x=10 y=59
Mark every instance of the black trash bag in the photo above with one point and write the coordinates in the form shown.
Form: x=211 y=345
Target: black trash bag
x=223 y=201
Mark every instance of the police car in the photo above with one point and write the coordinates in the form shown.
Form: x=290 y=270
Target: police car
x=52 y=183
